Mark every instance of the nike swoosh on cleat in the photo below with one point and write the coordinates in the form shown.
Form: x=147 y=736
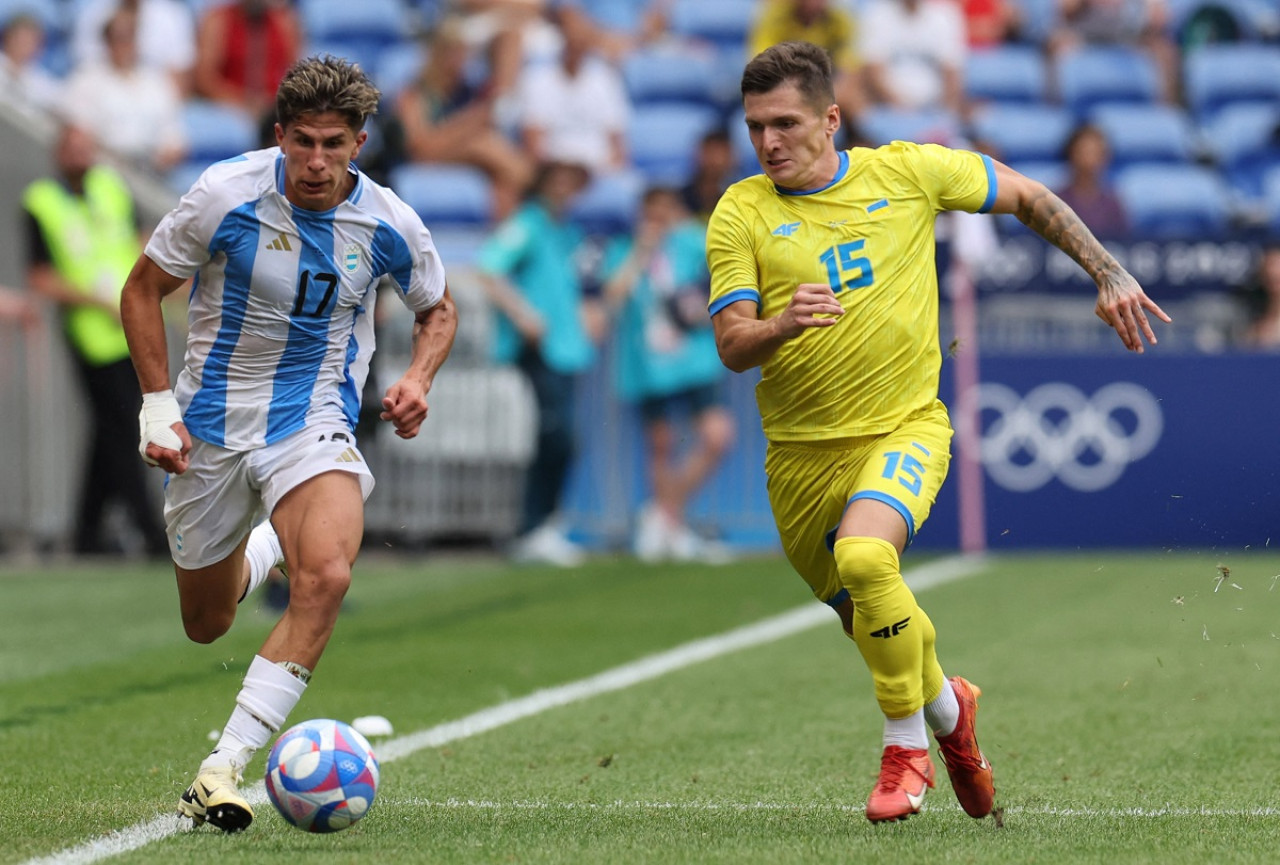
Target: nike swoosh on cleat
x=916 y=799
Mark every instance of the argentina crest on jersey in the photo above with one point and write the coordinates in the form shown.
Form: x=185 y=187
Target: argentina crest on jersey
x=351 y=257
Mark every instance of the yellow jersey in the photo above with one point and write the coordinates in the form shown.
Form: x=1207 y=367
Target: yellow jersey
x=869 y=234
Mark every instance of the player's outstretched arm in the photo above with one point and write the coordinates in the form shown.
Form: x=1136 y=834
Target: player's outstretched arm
x=405 y=404
x=164 y=439
x=1121 y=301
x=745 y=341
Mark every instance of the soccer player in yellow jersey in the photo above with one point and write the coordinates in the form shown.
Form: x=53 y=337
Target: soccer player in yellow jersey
x=822 y=274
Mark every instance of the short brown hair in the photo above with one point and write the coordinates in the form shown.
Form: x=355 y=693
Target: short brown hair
x=802 y=64
x=316 y=85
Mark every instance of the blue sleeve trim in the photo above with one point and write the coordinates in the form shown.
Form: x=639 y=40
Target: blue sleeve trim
x=733 y=297
x=992 y=185
x=838 y=598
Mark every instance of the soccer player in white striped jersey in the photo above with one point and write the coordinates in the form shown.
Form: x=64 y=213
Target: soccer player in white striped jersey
x=285 y=248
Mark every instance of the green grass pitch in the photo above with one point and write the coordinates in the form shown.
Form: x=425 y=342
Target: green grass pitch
x=1130 y=707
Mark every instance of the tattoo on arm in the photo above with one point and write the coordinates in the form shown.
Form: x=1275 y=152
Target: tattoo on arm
x=1049 y=216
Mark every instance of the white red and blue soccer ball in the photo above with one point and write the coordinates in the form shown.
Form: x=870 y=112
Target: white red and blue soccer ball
x=322 y=775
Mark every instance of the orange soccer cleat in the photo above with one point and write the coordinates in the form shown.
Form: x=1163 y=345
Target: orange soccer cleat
x=905 y=775
x=970 y=772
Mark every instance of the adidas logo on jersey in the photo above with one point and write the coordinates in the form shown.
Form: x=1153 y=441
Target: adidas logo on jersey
x=348 y=456
x=281 y=243
x=786 y=229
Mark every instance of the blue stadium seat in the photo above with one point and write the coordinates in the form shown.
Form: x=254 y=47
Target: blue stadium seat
x=744 y=153
x=439 y=193
x=396 y=67
x=663 y=138
x=1039 y=18
x=356 y=31
x=725 y=23
x=672 y=73
x=622 y=15
x=1094 y=75
x=382 y=22
x=1024 y=133
x=217 y=131
x=363 y=54
x=1146 y=133
x=1244 y=140
x=1006 y=73
x=882 y=125
x=1218 y=75
x=1271 y=198
x=1186 y=202
x=1051 y=172
x=181 y=176
x=610 y=203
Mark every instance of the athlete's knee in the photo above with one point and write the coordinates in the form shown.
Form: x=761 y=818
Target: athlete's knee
x=868 y=567
x=206 y=625
x=322 y=584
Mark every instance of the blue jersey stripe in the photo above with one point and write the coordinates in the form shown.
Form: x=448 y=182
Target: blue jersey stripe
x=992 y=185
x=308 y=342
x=237 y=237
x=350 y=393
x=733 y=297
x=390 y=255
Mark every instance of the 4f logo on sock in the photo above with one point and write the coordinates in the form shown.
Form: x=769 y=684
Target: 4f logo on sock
x=891 y=630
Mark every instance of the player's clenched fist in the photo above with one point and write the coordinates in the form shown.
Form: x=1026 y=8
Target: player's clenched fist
x=813 y=305
x=405 y=405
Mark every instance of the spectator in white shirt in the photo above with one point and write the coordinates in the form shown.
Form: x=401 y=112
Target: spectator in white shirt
x=21 y=76
x=575 y=109
x=166 y=35
x=914 y=53
x=135 y=111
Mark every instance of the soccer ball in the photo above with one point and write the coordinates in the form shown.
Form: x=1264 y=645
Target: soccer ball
x=322 y=776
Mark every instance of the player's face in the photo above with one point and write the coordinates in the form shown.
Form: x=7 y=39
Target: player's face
x=317 y=149
x=793 y=141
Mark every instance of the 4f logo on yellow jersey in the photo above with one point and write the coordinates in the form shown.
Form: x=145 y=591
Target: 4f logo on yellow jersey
x=891 y=630
x=786 y=229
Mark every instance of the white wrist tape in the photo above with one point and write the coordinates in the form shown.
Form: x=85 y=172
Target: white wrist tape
x=159 y=413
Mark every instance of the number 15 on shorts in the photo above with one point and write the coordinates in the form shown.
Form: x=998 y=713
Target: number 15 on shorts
x=905 y=467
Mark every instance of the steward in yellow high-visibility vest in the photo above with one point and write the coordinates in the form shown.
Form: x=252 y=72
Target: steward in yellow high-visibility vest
x=82 y=241
x=92 y=241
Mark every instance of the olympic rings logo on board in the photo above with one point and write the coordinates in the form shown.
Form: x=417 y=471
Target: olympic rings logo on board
x=1055 y=431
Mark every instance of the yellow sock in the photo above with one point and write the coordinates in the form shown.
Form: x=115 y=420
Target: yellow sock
x=888 y=626
x=933 y=679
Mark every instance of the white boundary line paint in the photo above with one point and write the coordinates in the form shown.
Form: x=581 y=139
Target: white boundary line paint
x=803 y=618
x=820 y=807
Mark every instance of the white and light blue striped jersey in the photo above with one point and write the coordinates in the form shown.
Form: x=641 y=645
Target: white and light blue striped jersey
x=280 y=320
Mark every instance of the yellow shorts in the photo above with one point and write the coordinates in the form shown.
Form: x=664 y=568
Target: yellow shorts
x=811 y=484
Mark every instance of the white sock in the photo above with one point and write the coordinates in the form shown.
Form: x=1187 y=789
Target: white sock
x=944 y=712
x=262 y=553
x=266 y=698
x=906 y=732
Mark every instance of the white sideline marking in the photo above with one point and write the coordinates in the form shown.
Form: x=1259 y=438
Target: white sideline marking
x=802 y=618
x=820 y=807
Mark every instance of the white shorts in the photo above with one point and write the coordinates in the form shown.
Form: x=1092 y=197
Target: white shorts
x=223 y=494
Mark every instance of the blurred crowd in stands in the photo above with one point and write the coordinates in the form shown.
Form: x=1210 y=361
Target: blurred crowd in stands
x=1157 y=117
x=532 y=127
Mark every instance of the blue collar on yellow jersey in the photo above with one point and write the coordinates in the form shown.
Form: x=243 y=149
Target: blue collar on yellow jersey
x=841 y=170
